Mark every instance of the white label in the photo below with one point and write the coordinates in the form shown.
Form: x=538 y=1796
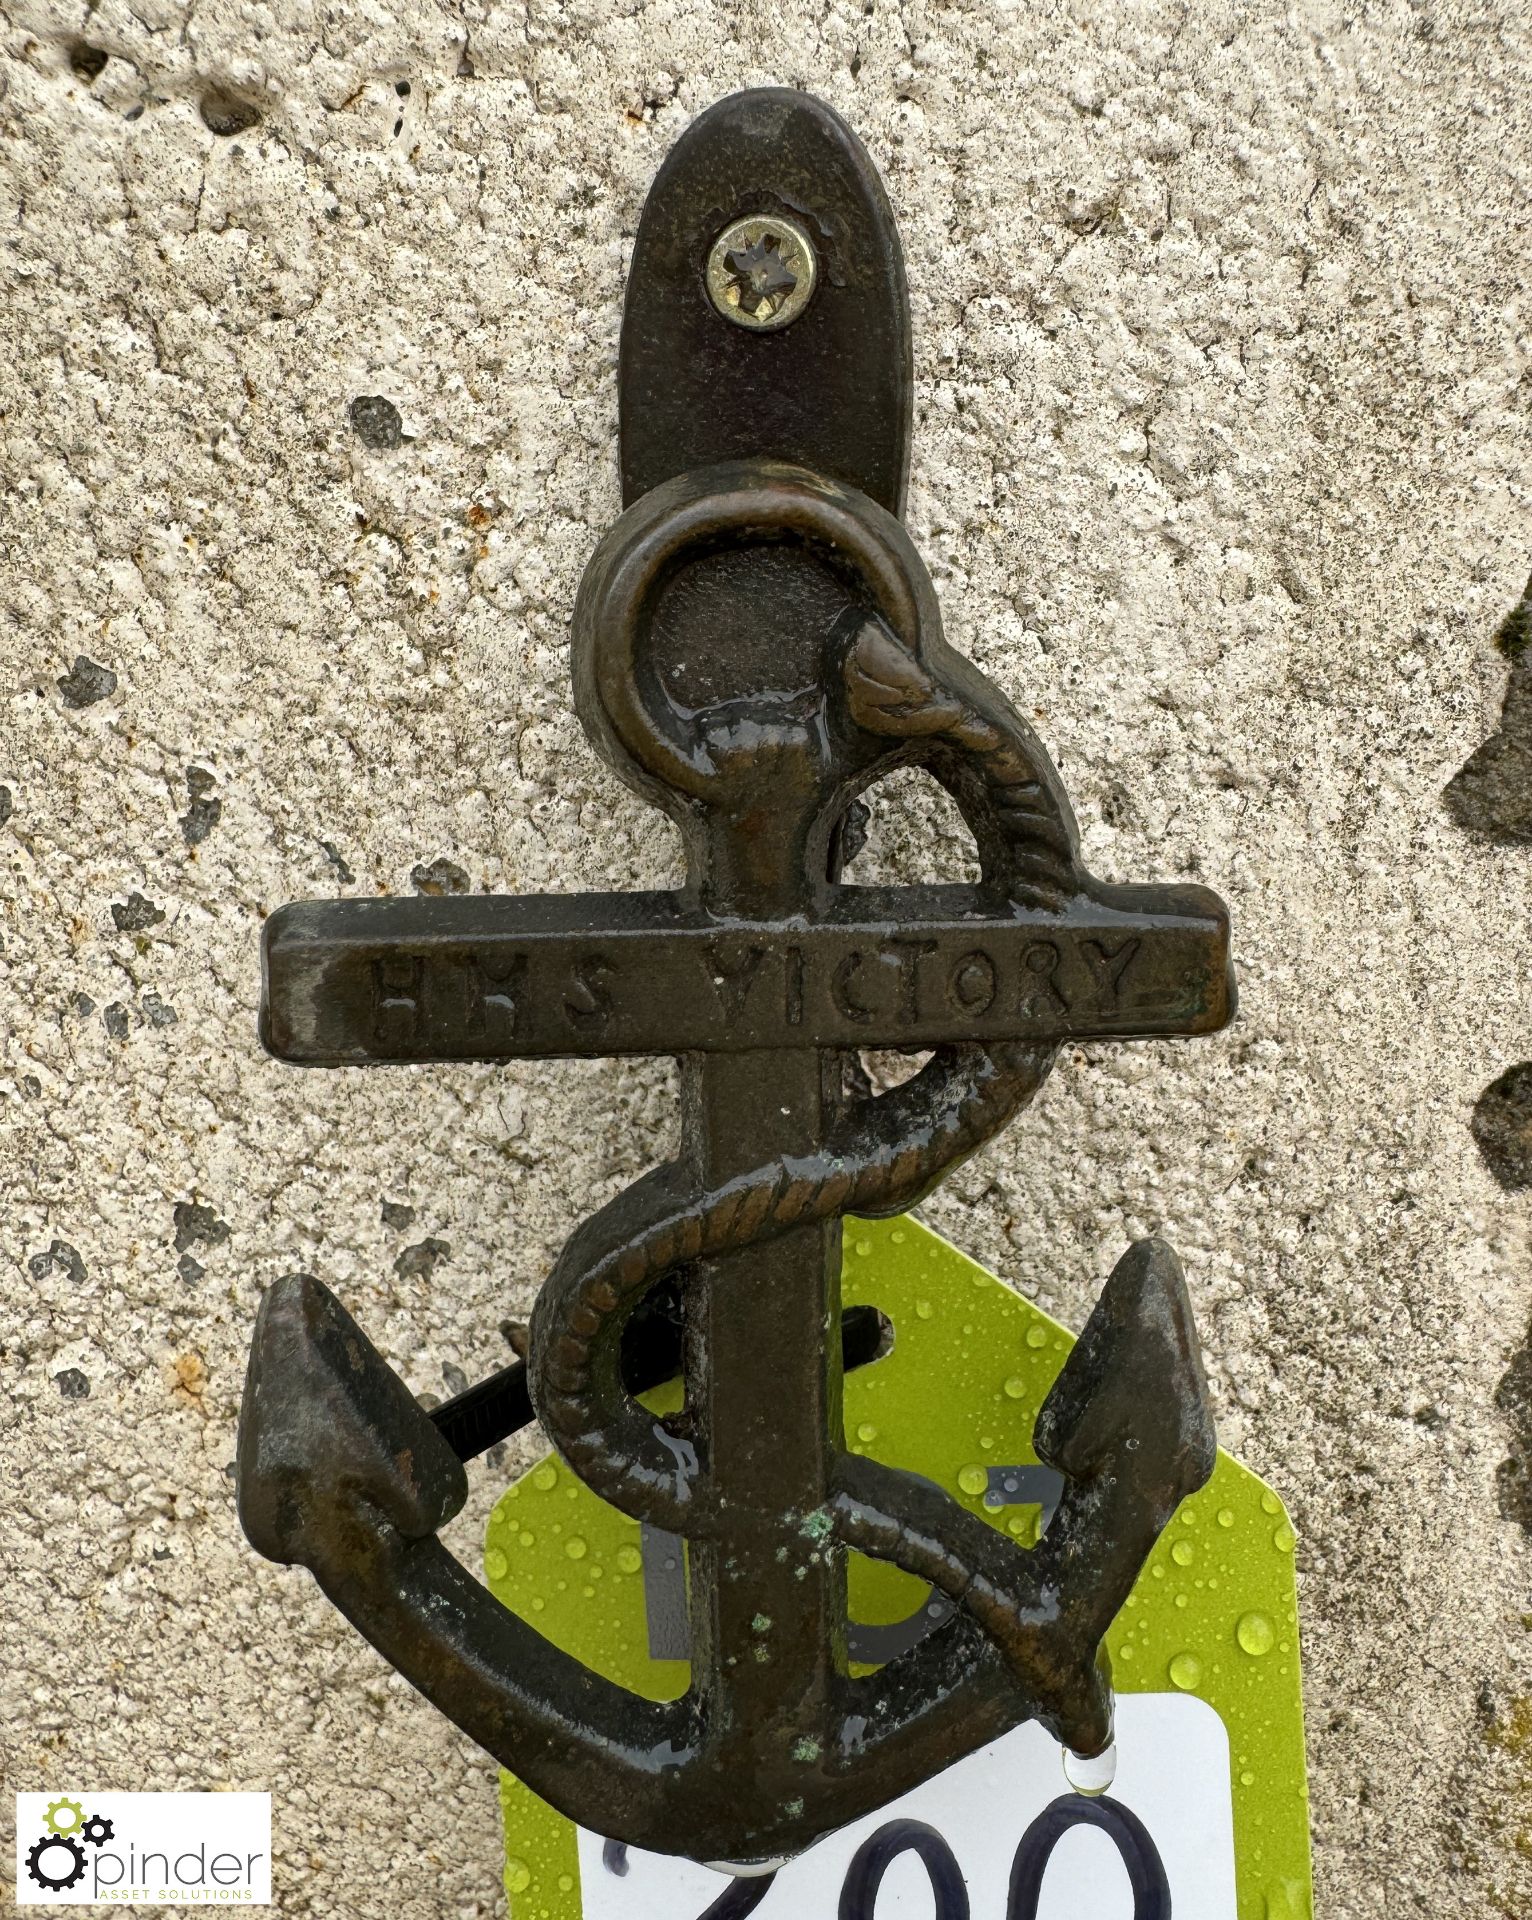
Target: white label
x=80 y=1849
x=1166 y=1824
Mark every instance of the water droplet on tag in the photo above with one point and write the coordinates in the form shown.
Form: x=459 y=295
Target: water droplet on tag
x=1226 y=1516
x=1015 y=1387
x=1037 y=1337
x=1255 y=1634
x=575 y=1547
x=1270 y=1503
x=973 y=1479
x=518 y=1875
x=866 y=1432
x=1183 y=1553
x=753 y=1869
x=629 y=1559
x=546 y=1476
x=1186 y=1672
x=1091 y=1775
x=922 y=1309
x=1284 y=1539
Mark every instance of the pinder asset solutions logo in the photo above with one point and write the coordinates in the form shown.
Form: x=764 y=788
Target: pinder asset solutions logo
x=113 y=1849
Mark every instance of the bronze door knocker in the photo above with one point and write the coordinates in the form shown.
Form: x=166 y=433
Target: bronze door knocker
x=756 y=643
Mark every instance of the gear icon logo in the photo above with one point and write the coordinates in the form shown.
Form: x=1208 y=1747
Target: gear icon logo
x=64 y=1817
x=56 y=1862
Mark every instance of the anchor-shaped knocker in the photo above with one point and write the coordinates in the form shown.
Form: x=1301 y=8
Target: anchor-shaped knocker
x=756 y=643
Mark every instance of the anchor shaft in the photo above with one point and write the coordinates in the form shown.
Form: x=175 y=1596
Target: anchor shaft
x=764 y=1373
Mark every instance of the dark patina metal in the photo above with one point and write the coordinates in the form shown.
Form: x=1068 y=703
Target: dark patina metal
x=756 y=643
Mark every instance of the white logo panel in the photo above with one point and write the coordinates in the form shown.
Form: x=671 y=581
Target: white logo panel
x=80 y=1849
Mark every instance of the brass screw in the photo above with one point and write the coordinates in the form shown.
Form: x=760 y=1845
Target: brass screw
x=761 y=272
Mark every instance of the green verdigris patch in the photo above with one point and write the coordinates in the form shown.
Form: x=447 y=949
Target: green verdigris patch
x=1214 y=1612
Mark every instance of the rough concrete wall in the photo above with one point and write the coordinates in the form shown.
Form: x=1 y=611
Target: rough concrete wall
x=1221 y=469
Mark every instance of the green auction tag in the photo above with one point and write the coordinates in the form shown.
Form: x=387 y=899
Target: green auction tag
x=1207 y=1798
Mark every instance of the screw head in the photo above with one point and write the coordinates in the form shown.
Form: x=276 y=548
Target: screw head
x=761 y=272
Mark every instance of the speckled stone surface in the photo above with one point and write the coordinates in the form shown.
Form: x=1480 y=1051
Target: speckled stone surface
x=306 y=425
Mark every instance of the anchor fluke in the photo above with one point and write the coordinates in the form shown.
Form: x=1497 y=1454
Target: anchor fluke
x=1133 y=1398
x=327 y=1428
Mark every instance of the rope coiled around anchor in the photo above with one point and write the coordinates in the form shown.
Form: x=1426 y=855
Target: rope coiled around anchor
x=882 y=1154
